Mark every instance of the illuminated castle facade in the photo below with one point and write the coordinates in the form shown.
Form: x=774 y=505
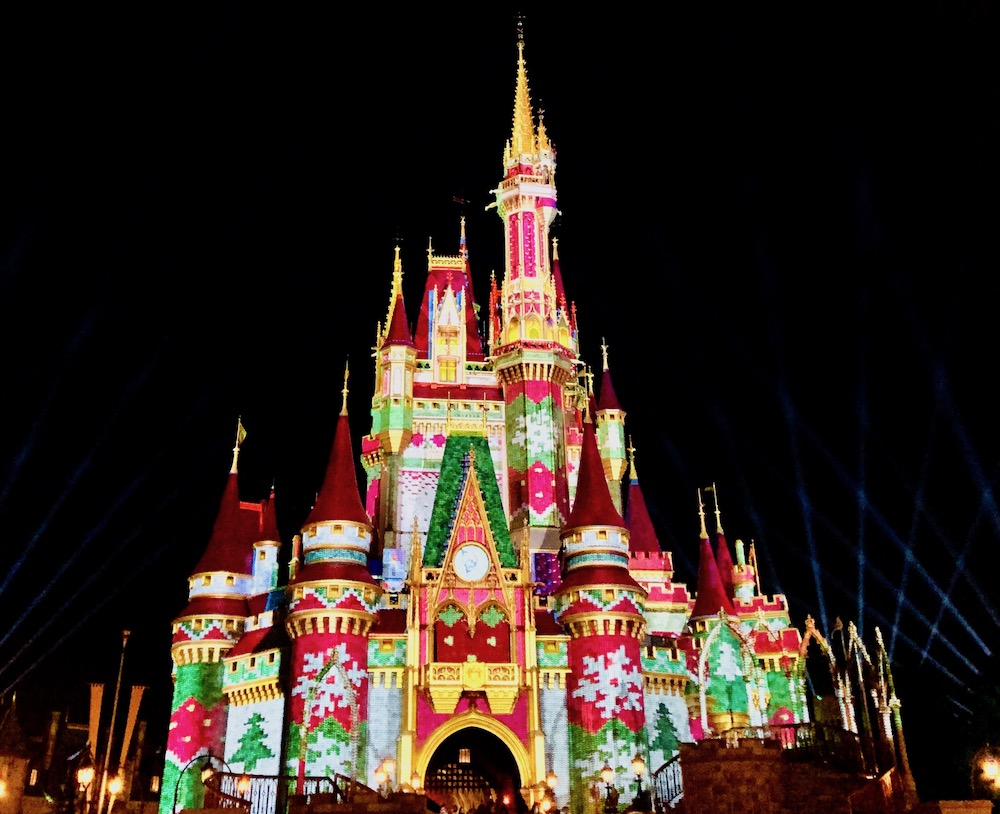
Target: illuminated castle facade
x=493 y=608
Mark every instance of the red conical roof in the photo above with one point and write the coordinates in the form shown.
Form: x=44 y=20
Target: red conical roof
x=399 y=330
x=642 y=535
x=593 y=505
x=269 y=520
x=608 y=400
x=557 y=276
x=339 y=497
x=711 y=595
x=228 y=548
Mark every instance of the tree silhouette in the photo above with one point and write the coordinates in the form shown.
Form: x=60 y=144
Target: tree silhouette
x=253 y=745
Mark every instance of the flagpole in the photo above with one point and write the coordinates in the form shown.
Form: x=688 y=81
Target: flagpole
x=111 y=730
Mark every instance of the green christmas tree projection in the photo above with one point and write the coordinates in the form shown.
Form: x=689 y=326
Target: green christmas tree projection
x=253 y=747
x=666 y=736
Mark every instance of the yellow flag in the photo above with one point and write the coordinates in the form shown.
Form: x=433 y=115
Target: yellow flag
x=240 y=432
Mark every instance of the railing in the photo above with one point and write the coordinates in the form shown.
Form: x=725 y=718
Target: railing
x=821 y=743
x=268 y=794
x=667 y=785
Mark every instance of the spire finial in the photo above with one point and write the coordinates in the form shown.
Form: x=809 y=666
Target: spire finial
x=632 y=474
x=718 y=512
x=343 y=406
x=555 y=248
x=604 y=352
x=522 y=140
x=240 y=435
x=701 y=515
x=396 y=291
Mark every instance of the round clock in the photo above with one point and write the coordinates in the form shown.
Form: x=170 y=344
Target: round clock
x=471 y=562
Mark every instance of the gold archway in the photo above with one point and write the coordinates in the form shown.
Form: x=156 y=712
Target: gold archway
x=474 y=718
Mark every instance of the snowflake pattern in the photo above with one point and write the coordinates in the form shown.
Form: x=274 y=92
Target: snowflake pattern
x=330 y=695
x=610 y=682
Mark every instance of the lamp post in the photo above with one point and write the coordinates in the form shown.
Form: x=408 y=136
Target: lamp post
x=114 y=789
x=206 y=772
x=607 y=775
x=639 y=767
x=383 y=775
x=84 y=777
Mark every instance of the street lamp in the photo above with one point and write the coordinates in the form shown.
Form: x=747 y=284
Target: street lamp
x=610 y=804
x=114 y=789
x=383 y=775
x=84 y=777
x=415 y=783
x=551 y=778
x=206 y=772
x=639 y=767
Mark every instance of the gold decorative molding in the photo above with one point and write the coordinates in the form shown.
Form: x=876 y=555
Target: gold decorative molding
x=447 y=681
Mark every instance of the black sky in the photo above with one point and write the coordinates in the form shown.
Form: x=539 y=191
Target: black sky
x=781 y=218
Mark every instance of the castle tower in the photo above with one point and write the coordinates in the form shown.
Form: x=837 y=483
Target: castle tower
x=601 y=607
x=203 y=634
x=611 y=433
x=333 y=600
x=392 y=411
x=534 y=351
x=717 y=658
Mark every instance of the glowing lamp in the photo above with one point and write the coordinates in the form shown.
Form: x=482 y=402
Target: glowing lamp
x=85 y=776
x=607 y=773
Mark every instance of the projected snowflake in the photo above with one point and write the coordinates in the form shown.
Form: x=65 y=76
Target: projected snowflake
x=611 y=683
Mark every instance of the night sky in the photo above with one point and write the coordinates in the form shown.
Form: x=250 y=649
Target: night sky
x=780 y=219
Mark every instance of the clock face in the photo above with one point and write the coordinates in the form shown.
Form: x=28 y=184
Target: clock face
x=471 y=562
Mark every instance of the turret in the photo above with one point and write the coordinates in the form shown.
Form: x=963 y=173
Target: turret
x=447 y=332
x=266 y=548
x=203 y=634
x=396 y=360
x=332 y=606
x=611 y=432
x=601 y=607
x=534 y=353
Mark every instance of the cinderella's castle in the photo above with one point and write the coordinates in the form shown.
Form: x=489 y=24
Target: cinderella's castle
x=492 y=616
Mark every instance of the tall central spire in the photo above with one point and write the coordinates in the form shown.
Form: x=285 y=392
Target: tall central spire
x=522 y=138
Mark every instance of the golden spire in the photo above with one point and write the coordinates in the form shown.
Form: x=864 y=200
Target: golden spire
x=718 y=513
x=604 y=353
x=543 y=136
x=343 y=406
x=416 y=555
x=523 y=135
x=701 y=515
x=555 y=248
x=397 y=288
x=632 y=474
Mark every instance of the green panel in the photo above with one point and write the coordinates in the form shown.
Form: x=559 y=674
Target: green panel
x=448 y=494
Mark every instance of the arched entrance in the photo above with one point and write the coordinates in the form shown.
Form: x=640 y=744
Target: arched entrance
x=472 y=765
